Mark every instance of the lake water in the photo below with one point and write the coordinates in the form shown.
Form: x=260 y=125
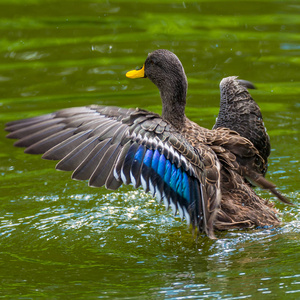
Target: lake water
x=60 y=239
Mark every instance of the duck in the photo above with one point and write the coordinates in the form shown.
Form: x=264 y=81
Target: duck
x=202 y=174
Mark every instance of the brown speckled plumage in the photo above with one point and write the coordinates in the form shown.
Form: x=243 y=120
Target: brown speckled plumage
x=239 y=112
x=111 y=146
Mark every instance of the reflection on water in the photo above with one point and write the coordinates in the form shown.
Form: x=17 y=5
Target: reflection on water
x=59 y=237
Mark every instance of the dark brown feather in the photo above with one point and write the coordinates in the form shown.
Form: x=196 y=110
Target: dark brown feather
x=105 y=166
x=85 y=170
x=239 y=112
x=71 y=161
x=47 y=143
x=63 y=148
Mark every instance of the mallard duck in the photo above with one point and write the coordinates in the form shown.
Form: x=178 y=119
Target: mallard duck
x=203 y=174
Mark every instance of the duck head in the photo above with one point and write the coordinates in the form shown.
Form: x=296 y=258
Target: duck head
x=165 y=70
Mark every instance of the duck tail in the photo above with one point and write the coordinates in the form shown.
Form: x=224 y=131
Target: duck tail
x=258 y=180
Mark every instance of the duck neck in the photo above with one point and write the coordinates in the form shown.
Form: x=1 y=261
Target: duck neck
x=174 y=112
x=173 y=104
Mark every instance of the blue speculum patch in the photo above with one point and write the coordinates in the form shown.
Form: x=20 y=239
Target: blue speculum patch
x=162 y=172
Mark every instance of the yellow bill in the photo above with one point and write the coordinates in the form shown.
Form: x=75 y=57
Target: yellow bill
x=140 y=73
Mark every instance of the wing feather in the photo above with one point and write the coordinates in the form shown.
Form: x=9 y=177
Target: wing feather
x=47 y=143
x=105 y=166
x=110 y=146
x=85 y=170
x=71 y=161
x=65 y=147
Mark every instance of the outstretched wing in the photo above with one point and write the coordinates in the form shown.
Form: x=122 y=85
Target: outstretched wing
x=239 y=112
x=110 y=146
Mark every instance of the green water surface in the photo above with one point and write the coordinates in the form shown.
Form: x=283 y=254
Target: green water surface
x=60 y=239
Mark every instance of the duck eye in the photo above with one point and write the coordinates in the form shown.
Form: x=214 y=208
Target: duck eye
x=153 y=61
